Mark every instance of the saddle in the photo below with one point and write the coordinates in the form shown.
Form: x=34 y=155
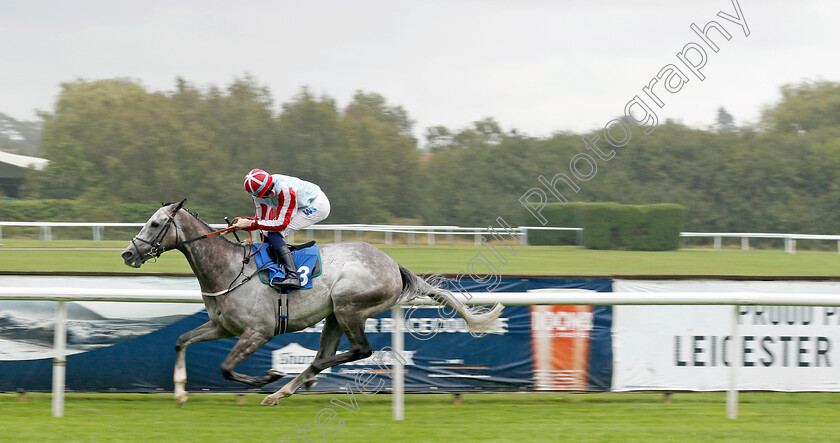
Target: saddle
x=307 y=258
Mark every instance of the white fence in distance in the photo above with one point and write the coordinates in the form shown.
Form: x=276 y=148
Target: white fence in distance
x=536 y=297
x=789 y=239
x=479 y=235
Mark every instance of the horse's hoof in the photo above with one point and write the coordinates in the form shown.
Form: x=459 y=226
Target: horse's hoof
x=269 y=401
x=276 y=373
x=181 y=399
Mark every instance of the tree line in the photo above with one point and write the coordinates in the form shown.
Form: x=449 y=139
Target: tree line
x=113 y=141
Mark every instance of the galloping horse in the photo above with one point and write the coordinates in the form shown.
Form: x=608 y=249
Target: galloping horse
x=357 y=281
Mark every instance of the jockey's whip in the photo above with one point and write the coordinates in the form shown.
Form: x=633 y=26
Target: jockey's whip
x=227 y=220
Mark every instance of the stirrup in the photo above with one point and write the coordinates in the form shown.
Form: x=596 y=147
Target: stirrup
x=281 y=286
x=286 y=283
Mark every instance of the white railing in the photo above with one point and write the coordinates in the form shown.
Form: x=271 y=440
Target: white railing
x=536 y=297
x=46 y=227
x=789 y=239
x=480 y=235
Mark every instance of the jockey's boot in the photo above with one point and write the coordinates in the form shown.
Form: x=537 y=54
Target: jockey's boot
x=292 y=279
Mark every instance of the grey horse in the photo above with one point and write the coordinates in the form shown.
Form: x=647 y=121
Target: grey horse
x=357 y=281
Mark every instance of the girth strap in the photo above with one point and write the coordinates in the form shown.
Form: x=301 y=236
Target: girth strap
x=282 y=314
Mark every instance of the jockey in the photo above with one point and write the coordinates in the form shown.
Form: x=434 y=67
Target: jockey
x=284 y=204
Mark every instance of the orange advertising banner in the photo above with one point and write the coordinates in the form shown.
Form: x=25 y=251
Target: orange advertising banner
x=560 y=338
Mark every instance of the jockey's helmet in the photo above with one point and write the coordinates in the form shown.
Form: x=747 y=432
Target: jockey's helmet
x=258 y=183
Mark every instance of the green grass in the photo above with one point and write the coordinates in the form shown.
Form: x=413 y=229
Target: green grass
x=574 y=260
x=542 y=260
x=428 y=418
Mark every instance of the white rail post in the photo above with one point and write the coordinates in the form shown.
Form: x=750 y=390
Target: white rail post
x=717 y=242
x=431 y=237
x=98 y=233
x=790 y=245
x=523 y=239
x=745 y=243
x=59 y=360
x=734 y=362
x=337 y=235
x=389 y=237
x=397 y=380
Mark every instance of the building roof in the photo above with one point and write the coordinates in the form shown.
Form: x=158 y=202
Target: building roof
x=23 y=161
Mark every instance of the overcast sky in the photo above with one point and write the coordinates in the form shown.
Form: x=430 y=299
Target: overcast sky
x=539 y=66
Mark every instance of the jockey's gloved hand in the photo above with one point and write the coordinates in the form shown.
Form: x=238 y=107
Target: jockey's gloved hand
x=243 y=223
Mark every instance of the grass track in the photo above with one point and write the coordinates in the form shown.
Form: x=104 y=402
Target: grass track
x=429 y=418
x=543 y=260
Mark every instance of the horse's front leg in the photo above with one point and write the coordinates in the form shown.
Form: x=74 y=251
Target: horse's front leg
x=249 y=342
x=206 y=332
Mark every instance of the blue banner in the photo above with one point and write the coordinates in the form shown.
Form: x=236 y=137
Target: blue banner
x=440 y=354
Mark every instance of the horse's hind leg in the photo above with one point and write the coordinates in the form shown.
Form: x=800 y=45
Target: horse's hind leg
x=206 y=332
x=330 y=337
x=249 y=342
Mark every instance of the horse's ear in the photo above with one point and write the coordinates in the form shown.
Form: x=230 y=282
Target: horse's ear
x=177 y=208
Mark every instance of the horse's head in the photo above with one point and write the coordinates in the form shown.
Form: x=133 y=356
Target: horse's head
x=159 y=233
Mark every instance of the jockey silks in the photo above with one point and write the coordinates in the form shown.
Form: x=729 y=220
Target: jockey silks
x=291 y=193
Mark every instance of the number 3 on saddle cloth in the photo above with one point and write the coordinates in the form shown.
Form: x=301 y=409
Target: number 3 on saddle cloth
x=307 y=258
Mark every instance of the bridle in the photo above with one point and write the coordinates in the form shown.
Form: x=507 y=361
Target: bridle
x=156 y=249
x=155 y=243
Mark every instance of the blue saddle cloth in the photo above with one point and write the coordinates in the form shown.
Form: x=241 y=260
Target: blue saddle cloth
x=308 y=261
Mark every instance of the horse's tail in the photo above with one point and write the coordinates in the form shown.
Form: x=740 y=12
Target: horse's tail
x=480 y=319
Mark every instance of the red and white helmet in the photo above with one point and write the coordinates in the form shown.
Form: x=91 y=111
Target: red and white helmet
x=258 y=183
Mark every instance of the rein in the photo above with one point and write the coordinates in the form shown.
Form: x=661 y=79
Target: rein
x=201 y=237
x=155 y=243
x=156 y=250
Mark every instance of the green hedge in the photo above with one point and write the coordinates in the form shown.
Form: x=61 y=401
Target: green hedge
x=612 y=226
x=634 y=227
